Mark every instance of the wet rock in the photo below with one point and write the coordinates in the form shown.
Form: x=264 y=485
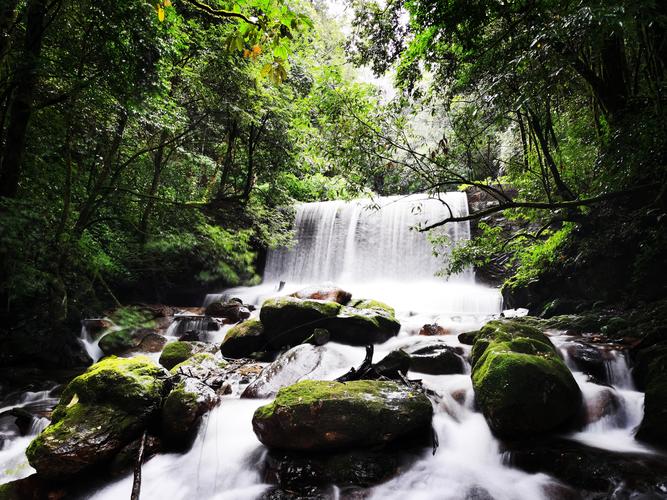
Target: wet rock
x=374 y=305
x=128 y=340
x=436 y=359
x=126 y=458
x=232 y=311
x=468 y=338
x=392 y=364
x=301 y=472
x=521 y=385
x=299 y=363
x=602 y=404
x=324 y=292
x=321 y=415
x=433 y=329
x=99 y=412
x=589 y=359
x=320 y=336
x=199 y=383
x=289 y=321
x=623 y=475
x=652 y=428
x=32 y=488
x=362 y=327
x=179 y=351
x=244 y=339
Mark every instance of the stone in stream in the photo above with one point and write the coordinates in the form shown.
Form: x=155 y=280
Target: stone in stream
x=233 y=311
x=521 y=385
x=177 y=352
x=589 y=359
x=434 y=329
x=652 y=428
x=289 y=321
x=199 y=383
x=291 y=366
x=468 y=338
x=436 y=359
x=321 y=415
x=324 y=292
x=603 y=404
x=99 y=412
x=129 y=340
x=244 y=339
x=595 y=472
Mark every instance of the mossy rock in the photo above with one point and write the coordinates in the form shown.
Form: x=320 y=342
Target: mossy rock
x=355 y=326
x=99 y=412
x=322 y=415
x=200 y=363
x=183 y=409
x=290 y=321
x=128 y=340
x=468 y=338
x=373 y=305
x=179 y=351
x=652 y=428
x=521 y=385
x=244 y=339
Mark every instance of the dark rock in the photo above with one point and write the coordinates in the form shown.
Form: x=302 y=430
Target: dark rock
x=289 y=321
x=288 y=368
x=244 y=339
x=320 y=415
x=33 y=488
x=325 y=292
x=434 y=329
x=468 y=338
x=126 y=458
x=301 y=472
x=232 y=311
x=320 y=336
x=521 y=385
x=179 y=351
x=36 y=346
x=436 y=359
x=589 y=359
x=395 y=362
x=652 y=428
x=95 y=326
x=593 y=469
x=603 y=404
x=643 y=359
x=128 y=340
x=99 y=412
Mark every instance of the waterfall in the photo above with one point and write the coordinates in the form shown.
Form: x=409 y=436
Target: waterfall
x=363 y=241
x=373 y=249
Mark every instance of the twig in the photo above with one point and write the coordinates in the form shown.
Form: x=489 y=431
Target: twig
x=136 y=484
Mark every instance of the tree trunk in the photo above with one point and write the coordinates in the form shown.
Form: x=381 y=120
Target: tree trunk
x=158 y=165
x=228 y=162
x=21 y=107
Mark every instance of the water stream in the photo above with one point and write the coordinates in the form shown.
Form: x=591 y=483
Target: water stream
x=374 y=254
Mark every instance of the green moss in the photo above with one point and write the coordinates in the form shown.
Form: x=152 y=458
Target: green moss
x=308 y=392
x=177 y=352
x=125 y=382
x=374 y=305
x=321 y=307
x=249 y=327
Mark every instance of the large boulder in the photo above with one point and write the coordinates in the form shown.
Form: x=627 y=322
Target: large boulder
x=128 y=340
x=179 y=351
x=320 y=415
x=99 y=412
x=652 y=428
x=324 y=292
x=521 y=385
x=290 y=321
x=244 y=339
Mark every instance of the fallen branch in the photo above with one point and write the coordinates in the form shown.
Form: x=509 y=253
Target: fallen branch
x=136 y=483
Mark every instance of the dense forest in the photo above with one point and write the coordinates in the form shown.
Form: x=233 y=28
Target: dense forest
x=152 y=152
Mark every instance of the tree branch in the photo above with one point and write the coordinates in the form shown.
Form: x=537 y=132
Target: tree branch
x=219 y=13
